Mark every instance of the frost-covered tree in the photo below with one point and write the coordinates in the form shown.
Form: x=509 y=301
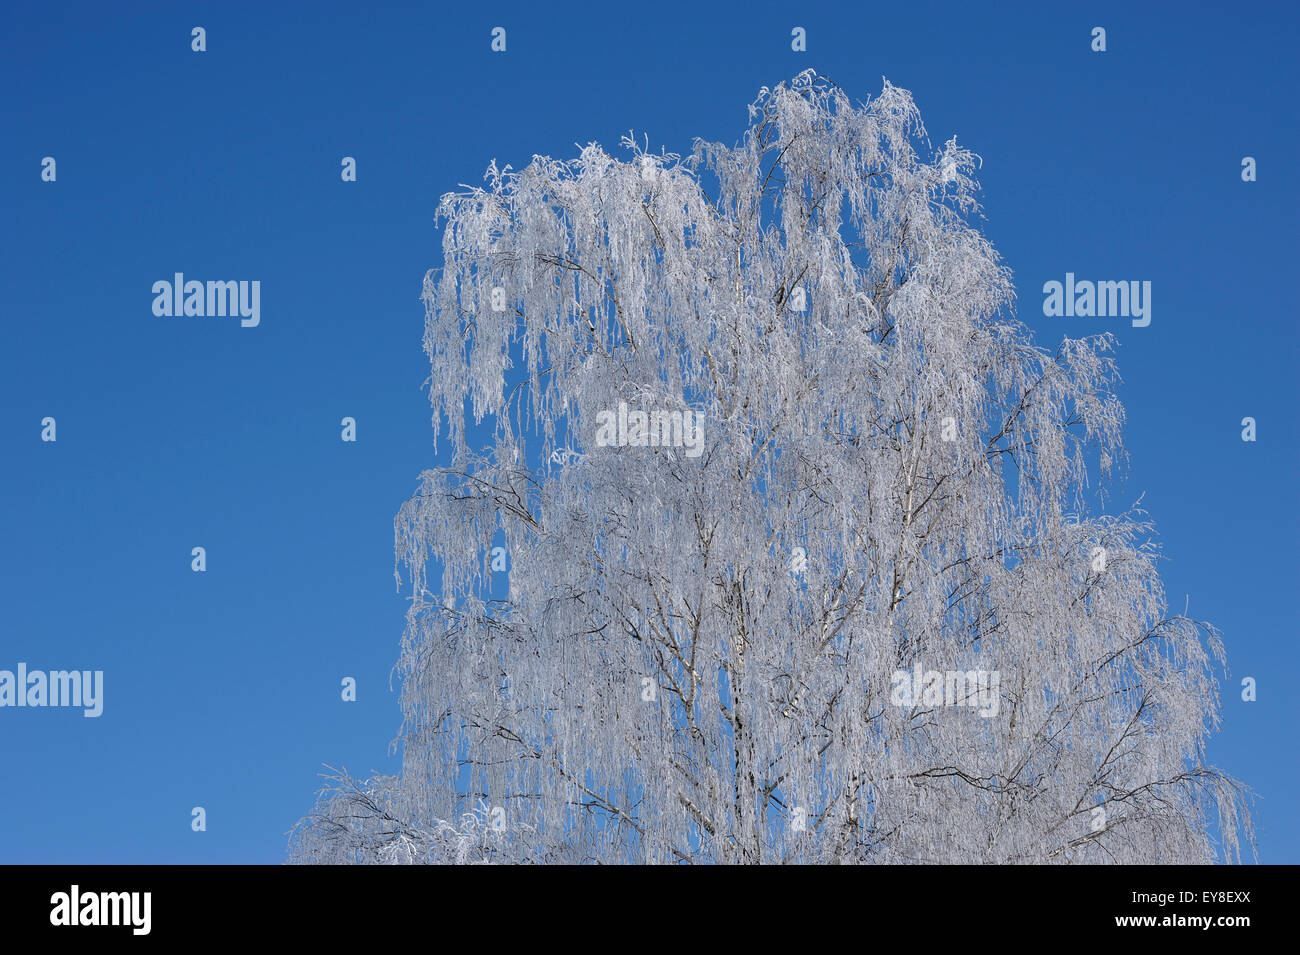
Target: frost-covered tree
x=707 y=647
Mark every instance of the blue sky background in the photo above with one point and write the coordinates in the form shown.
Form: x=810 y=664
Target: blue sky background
x=222 y=688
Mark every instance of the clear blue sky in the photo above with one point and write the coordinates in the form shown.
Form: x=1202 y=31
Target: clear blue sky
x=222 y=688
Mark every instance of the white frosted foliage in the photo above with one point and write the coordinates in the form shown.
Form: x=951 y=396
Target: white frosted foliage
x=769 y=735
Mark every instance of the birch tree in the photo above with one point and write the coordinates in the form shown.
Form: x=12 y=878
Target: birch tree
x=726 y=653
